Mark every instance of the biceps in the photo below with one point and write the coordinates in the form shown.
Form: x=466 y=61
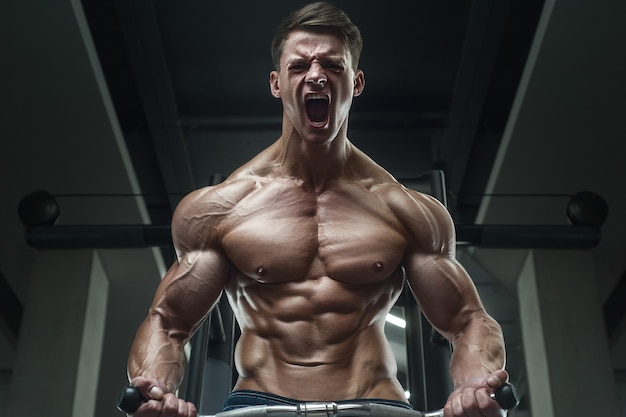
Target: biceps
x=445 y=293
x=189 y=291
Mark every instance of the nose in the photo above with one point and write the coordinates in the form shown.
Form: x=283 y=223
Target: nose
x=320 y=81
x=315 y=75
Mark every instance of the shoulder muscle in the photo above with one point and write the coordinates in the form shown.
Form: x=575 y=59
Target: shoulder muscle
x=197 y=218
x=426 y=220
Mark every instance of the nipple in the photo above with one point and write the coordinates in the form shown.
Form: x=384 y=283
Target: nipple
x=378 y=266
x=261 y=271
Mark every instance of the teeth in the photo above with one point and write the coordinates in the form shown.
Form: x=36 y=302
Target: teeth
x=317 y=97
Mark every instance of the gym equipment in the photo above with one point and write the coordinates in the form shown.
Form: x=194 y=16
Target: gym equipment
x=130 y=399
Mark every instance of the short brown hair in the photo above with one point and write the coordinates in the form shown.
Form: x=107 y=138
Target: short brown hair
x=321 y=16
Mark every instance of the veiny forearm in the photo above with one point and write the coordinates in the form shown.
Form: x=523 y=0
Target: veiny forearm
x=478 y=350
x=158 y=352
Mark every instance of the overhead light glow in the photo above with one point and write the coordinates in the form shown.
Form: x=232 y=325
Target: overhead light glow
x=396 y=321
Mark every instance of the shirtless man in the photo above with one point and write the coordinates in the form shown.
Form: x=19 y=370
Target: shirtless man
x=312 y=241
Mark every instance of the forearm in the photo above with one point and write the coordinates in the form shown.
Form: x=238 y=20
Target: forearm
x=157 y=353
x=478 y=350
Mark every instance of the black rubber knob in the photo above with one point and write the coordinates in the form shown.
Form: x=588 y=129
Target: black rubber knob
x=506 y=396
x=129 y=400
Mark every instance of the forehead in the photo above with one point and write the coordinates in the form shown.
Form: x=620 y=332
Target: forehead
x=308 y=44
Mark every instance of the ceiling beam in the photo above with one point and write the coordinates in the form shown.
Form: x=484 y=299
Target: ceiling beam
x=486 y=24
x=140 y=28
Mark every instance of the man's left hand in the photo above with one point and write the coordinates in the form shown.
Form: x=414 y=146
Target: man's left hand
x=472 y=398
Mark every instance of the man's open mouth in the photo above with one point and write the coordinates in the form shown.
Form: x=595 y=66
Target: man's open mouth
x=317 y=109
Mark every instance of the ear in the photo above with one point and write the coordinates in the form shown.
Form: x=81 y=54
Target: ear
x=359 y=83
x=274 y=88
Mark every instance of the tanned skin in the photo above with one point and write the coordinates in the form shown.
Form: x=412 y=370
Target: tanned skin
x=312 y=241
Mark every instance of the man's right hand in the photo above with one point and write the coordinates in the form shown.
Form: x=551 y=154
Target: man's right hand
x=161 y=402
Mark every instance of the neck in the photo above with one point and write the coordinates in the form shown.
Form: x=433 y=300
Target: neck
x=315 y=164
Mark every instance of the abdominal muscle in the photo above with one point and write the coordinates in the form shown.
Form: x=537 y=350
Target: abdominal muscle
x=316 y=340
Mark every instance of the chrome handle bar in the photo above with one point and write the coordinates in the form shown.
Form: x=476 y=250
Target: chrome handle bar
x=325 y=409
x=130 y=399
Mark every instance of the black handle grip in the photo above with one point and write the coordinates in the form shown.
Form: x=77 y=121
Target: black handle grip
x=506 y=396
x=129 y=400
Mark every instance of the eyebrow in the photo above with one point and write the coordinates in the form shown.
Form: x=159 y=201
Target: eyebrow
x=334 y=59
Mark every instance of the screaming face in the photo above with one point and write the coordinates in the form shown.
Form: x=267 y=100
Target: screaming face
x=316 y=83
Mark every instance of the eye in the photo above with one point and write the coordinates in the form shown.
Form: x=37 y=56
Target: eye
x=334 y=67
x=296 y=67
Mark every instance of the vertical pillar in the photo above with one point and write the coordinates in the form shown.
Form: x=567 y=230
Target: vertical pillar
x=5 y=383
x=58 y=356
x=218 y=372
x=567 y=353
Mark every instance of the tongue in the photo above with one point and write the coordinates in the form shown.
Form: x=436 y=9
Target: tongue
x=316 y=109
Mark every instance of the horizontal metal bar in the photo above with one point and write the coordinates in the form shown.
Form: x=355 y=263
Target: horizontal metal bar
x=528 y=236
x=325 y=409
x=98 y=237
x=141 y=236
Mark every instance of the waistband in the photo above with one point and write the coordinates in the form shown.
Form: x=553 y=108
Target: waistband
x=248 y=398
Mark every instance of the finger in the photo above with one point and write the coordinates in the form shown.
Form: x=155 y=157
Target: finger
x=484 y=400
x=193 y=412
x=488 y=407
x=149 y=388
x=149 y=408
x=183 y=409
x=456 y=406
x=186 y=409
x=497 y=379
x=470 y=404
x=155 y=393
x=170 y=406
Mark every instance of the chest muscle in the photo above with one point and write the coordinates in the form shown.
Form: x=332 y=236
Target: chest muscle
x=348 y=235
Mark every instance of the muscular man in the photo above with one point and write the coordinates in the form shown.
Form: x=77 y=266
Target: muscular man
x=312 y=241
